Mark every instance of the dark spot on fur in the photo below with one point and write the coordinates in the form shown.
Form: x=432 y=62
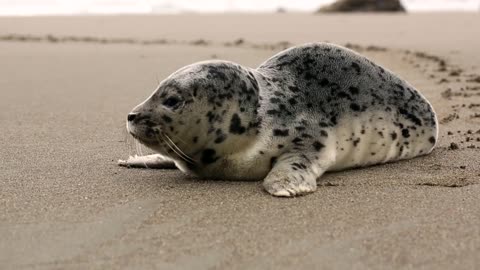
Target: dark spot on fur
x=354 y=90
x=355 y=107
x=292 y=101
x=150 y=132
x=309 y=76
x=273 y=161
x=394 y=135
x=166 y=118
x=399 y=86
x=324 y=82
x=150 y=123
x=318 y=145
x=293 y=88
x=410 y=117
x=275 y=100
x=405 y=133
x=208 y=156
x=236 y=125
x=273 y=112
x=210 y=116
x=299 y=165
x=356 y=67
x=280 y=132
x=220 y=138
x=333 y=119
x=355 y=142
x=297 y=141
x=431 y=140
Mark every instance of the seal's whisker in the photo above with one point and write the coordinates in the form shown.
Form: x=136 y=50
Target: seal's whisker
x=139 y=151
x=128 y=141
x=178 y=138
x=169 y=146
x=132 y=145
x=183 y=153
x=182 y=156
x=177 y=151
x=193 y=98
x=136 y=148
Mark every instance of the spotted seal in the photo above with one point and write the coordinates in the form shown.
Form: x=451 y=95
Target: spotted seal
x=307 y=110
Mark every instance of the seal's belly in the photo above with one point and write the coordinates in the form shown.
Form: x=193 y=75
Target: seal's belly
x=376 y=137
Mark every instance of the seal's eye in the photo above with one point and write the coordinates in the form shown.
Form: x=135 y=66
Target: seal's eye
x=171 y=102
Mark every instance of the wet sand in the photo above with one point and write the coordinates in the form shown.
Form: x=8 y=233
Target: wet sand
x=66 y=85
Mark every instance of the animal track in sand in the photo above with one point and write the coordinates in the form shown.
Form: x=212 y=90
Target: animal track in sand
x=462 y=182
x=132 y=41
x=449 y=118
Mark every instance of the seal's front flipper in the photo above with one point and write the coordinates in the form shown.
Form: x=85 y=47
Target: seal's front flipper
x=150 y=162
x=295 y=174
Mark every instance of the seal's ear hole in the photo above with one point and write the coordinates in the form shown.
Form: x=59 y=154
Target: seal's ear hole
x=172 y=102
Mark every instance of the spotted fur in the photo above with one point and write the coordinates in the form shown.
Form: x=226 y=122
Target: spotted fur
x=307 y=110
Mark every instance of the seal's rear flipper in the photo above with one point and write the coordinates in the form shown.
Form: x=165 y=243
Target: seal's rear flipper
x=150 y=162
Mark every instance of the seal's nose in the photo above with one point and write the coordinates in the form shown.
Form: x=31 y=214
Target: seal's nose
x=131 y=116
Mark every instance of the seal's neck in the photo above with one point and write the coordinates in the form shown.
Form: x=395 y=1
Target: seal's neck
x=237 y=124
x=231 y=125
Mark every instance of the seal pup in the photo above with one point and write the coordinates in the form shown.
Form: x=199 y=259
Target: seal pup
x=307 y=110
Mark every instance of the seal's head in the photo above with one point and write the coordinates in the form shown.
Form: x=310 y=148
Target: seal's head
x=208 y=105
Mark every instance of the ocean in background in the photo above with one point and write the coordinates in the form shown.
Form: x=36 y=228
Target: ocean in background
x=79 y=7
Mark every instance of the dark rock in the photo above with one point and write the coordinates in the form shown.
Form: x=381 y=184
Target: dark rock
x=364 y=6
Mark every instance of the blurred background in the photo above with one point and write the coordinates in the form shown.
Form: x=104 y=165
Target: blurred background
x=75 y=7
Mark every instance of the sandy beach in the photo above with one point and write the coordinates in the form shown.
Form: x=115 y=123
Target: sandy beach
x=67 y=83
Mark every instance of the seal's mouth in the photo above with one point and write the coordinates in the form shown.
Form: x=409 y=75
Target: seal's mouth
x=146 y=135
x=142 y=128
x=154 y=138
x=150 y=133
